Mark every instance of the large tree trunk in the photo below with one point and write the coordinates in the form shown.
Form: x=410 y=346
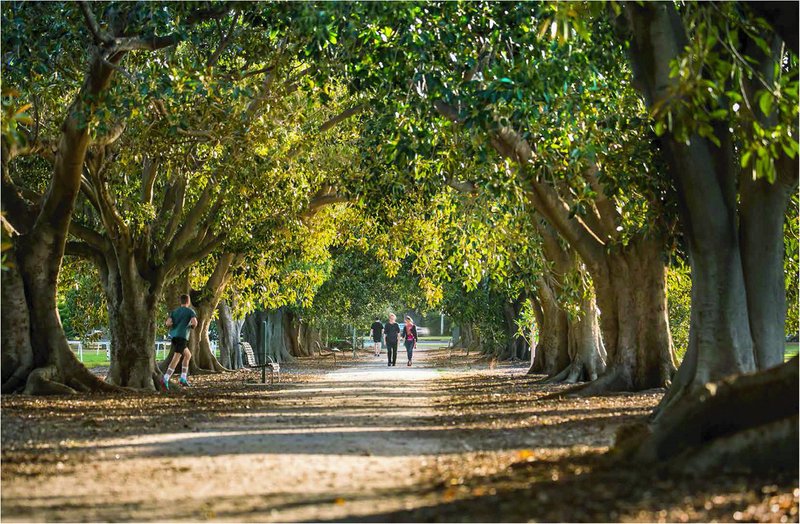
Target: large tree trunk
x=203 y=358
x=278 y=339
x=539 y=319
x=631 y=294
x=132 y=326
x=749 y=420
x=229 y=333
x=705 y=176
x=308 y=337
x=252 y=332
x=552 y=351
x=36 y=363
x=280 y=335
x=762 y=212
x=17 y=351
x=42 y=359
x=468 y=337
x=516 y=345
x=205 y=301
x=586 y=352
x=762 y=208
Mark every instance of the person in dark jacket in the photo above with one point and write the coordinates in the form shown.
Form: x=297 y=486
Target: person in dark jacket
x=410 y=336
x=390 y=332
x=377 y=331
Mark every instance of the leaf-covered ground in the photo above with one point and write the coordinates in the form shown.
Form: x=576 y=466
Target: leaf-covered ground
x=451 y=439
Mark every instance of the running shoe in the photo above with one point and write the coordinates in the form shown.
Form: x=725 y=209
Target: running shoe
x=184 y=382
x=164 y=384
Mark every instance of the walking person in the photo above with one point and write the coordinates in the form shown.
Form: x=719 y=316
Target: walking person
x=410 y=336
x=180 y=321
x=390 y=332
x=377 y=331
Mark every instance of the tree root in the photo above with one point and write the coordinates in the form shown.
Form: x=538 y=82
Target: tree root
x=43 y=381
x=746 y=421
x=569 y=375
x=17 y=381
x=612 y=381
x=48 y=380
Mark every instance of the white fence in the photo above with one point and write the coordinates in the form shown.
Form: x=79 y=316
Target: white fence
x=81 y=348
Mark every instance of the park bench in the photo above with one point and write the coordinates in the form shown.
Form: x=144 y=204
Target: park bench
x=252 y=363
x=325 y=351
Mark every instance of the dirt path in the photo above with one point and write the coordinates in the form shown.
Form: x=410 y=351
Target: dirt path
x=446 y=440
x=360 y=438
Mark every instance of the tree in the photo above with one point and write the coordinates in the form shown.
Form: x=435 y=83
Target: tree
x=192 y=178
x=725 y=92
x=35 y=352
x=566 y=123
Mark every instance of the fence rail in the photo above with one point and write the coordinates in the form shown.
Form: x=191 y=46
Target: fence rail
x=85 y=349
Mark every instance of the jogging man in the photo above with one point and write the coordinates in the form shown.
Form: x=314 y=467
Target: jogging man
x=390 y=333
x=180 y=321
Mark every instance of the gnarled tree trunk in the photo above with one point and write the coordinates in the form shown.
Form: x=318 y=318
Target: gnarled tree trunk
x=308 y=336
x=748 y=420
x=229 y=334
x=132 y=304
x=587 y=356
x=42 y=360
x=279 y=342
x=203 y=357
x=516 y=345
x=631 y=295
x=552 y=351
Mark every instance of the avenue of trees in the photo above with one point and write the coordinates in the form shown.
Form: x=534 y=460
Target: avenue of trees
x=621 y=176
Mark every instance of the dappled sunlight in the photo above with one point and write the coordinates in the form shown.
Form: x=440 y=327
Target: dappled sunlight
x=436 y=441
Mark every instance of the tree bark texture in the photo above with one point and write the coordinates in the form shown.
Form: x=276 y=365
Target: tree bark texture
x=279 y=343
x=631 y=295
x=48 y=365
x=552 y=351
x=132 y=304
x=587 y=355
x=516 y=345
x=725 y=247
x=308 y=337
x=707 y=420
x=746 y=422
x=229 y=334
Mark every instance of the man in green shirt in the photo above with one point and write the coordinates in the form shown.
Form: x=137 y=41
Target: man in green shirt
x=180 y=321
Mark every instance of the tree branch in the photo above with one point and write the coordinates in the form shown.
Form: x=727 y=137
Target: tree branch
x=224 y=43
x=100 y=36
x=149 y=171
x=324 y=197
x=83 y=250
x=88 y=235
x=344 y=115
x=153 y=43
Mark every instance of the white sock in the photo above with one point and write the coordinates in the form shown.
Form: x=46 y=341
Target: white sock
x=169 y=373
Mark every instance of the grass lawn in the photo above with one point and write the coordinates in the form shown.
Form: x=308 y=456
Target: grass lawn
x=791 y=350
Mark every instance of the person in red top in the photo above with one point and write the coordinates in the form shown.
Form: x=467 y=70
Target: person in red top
x=410 y=336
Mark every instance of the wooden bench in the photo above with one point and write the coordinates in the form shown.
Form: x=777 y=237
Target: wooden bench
x=252 y=363
x=325 y=351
